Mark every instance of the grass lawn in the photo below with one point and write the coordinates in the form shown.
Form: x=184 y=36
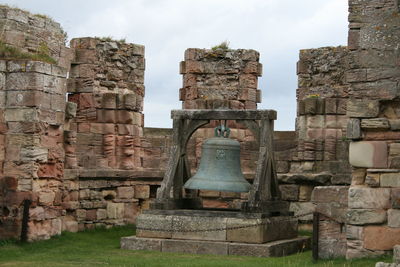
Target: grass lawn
x=100 y=247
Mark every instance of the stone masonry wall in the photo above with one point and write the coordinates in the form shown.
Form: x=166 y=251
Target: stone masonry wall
x=320 y=156
x=34 y=33
x=104 y=139
x=374 y=75
x=32 y=115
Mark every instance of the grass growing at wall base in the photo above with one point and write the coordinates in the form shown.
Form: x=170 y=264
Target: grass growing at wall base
x=100 y=247
x=10 y=52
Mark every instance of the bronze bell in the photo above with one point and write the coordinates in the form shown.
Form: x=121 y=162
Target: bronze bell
x=219 y=168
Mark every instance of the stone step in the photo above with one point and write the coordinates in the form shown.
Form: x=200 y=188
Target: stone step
x=271 y=249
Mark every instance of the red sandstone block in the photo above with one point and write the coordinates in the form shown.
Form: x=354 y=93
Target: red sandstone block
x=392 y=135
x=58 y=102
x=142 y=191
x=85 y=55
x=191 y=54
x=248 y=94
x=16 y=198
x=91 y=215
x=191 y=93
x=315 y=133
x=251 y=68
x=86 y=100
x=353 y=39
x=84 y=127
x=381 y=237
x=189 y=104
x=211 y=203
x=248 y=81
x=83 y=70
x=55 y=170
x=84 y=43
x=236 y=104
x=250 y=105
x=106 y=115
x=109 y=100
x=124 y=116
x=192 y=66
x=125 y=129
x=129 y=101
x=189 y=80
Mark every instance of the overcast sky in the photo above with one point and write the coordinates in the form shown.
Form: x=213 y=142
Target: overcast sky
x=278 y=29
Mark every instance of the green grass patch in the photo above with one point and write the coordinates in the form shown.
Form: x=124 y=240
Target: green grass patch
x=110 y=39
x=10 y=52
x=100 y=247
x=224 y=46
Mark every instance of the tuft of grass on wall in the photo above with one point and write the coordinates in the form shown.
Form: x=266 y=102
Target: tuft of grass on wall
x=224 y=46
x=10 y=52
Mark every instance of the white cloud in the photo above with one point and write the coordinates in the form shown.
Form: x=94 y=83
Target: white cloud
x=276 y=28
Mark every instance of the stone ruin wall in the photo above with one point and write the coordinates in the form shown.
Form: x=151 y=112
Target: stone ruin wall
x=366 y=222
x=34 y=33
x=100 y=166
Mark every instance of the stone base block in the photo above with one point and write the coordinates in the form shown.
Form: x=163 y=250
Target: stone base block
x=270 y=249
x=215 y=226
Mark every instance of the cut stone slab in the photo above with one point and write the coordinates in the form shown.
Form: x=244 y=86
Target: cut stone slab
x=371 y=154
x=362 y=108
x=381 y=237
x=264 y=230
x=369 y=198
x=215 y=226
x=135 y=243
x=195 y=247
x=270 y=249
x=390 y=179
x=366 y=216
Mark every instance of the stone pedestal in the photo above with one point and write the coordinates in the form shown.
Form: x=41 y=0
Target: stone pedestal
x=216 y=232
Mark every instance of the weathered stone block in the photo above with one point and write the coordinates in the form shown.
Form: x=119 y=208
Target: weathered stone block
x=396 y=254
x=115 y=210
x=300 y=208
x=330 y=194
x=375 y=124
x=390 y=180
x=353 y=129
x=354 y=232
x=135 y=243
x=125 y=192
x=368 y=154
x=305 y=192
x=366 y=216
x=369 y=198
x=362 y=108
x=195 y=247
x=394 y=218
x=142 y=191
x=156 y=226
x=395 y=198
x=358 y=176
x=264 y=230
x=183 y=225
x=381 y=237
x=373 y=179
x=289 y=192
